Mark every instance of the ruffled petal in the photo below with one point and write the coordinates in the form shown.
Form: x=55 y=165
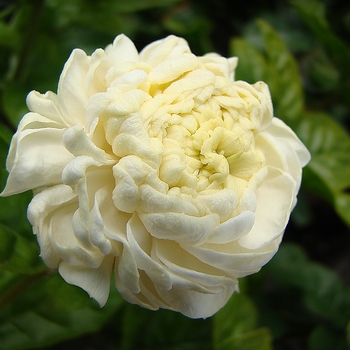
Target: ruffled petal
x=37 y=160
x=275 y=200
x=160 y=50
x=185 y=297
x=40 y=211
x=179 y=227
x=95 y=281
x=72 y=87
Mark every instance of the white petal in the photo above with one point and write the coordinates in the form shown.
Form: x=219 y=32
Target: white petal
x=47 y=106
x=280 y=154
x=136 y=232
x=122 y=50
x=184 y=298
x=65 y=243
x=286 y=135
x=231 y=258
x=180 y=227
x=154 y=200
x=96 y=232
x=40 y=210
x=220 y=65
x=77 y=142
x=160 y=50
x=72 y=87
x=221 y=202
x=95 y=281
x=76 y=169
x=275 y=200
x=38 y=160
x=193 y=82
x=144 y=297
x=207 y=278
x=172 y=68
x=232 y=229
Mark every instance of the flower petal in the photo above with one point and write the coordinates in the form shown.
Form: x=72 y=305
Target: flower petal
x=40 y=211
x=232 y=229
x=95 y=281
x=185 y=298
x=38 y=160
x=275 y=200
x=72 y=90
x=160 y=50
x=179 y=227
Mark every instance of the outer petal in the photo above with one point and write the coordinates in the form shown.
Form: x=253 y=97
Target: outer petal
x=40 y=212
x=122 y=50
x=47 y=106
x=72 y=87
x=94 y=281
x=286 y=135
x=38 y=160
x=160 y=50
x=275 y=200
x=231 y=258
x=185 y=298
x=179 y=227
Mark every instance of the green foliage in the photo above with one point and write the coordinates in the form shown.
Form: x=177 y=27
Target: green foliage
x=304 y=58
x=162 y=329
x=309 y=285
x=314 y=14
x=235 y=327
x=328 y=173
x=50 y=311
x=18 y=254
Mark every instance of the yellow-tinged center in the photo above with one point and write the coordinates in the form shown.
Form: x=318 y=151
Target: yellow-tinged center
x=208 y=149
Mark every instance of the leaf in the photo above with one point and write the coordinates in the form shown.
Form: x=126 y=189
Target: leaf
x=329 y=145
x=322 y=338
x=234 y=326
x=8 y=36
x=163 y=329
x=313 y=13
x=322 y=290
x=14 y=102
x=105 y=6
x=17 y=254
x=7 y=245
x=259 y=339
x=283 y=76
x=342 y=206
x=252 y=66
x=50 y=312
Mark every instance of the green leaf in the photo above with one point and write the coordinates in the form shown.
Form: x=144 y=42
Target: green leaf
x=313 y=13
x=234 y=326
x=342 y=206
x=283 y=76
x=105 y=6
x=163 y=329
x=329 y=145
x=14 y=102
x=322 y=338
x=259 y=339
x=252 y=66
x=8 y=36
x=323 y=291
x=7 y=245
x=18 y=254
x=51 y=311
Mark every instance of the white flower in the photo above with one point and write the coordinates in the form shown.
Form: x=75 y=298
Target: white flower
x=160 y=167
